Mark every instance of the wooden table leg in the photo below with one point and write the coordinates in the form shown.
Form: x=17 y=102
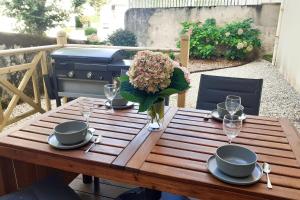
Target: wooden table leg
x=8 y=182
x=15 y=175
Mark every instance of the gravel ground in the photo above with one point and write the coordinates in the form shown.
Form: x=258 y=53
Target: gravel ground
x=279 y=99
x=206 y=65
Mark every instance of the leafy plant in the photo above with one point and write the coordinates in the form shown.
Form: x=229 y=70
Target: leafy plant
x=235 y=41
x=240 y=40
x=203 y=38
x=122 y=38
x=178 y=84
x=90 y=31
x=35 y=16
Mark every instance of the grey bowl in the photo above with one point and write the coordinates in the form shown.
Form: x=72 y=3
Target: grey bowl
x=235 y=160
x=72 y=132
x=221 y=108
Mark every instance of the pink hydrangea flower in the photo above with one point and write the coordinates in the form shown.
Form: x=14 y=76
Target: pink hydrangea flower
x=151 y=71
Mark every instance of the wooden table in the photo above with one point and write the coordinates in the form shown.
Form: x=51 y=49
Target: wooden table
x=173 y=160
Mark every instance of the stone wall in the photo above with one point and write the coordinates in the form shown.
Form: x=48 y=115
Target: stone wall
x=160 y=27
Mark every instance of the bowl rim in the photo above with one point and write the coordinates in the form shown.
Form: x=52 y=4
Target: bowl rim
x=71 y=132
x=235 y=163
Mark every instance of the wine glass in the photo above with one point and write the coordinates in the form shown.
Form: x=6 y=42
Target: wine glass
x=232 y=125
x=110 y=91
x=232 y=104
x=86 y=108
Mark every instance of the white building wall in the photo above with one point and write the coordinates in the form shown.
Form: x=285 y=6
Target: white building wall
x=288 y=54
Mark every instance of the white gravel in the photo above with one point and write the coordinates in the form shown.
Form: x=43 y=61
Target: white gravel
x=279 y=99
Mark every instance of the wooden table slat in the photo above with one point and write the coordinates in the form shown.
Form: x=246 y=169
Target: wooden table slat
x=241 y=135
x=205 y=156
x=139 y=157
x=259 y=189
x=211 y=124
x=239 y=140
x=209 y=149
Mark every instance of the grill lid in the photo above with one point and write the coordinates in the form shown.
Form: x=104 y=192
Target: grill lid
x=103 y=55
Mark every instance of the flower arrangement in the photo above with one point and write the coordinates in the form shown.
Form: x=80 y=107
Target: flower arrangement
x=153 y=76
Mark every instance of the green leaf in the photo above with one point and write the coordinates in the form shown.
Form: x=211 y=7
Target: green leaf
x=178 y=81
x=147 y=102
x=167 y=92
x=124 y=78
x=129 y=93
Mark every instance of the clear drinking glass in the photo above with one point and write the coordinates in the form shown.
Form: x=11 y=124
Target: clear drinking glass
x=110 y=91
x=232 y=125
x=232 y=104
x=86 y=108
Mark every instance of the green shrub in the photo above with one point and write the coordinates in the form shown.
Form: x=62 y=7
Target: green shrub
x=122 y=38
x=235 y=41
x=78 y=23
x=90 y=31
x=204 y=38
x=240 y=40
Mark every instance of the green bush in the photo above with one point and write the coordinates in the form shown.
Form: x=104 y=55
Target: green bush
x=78 y=23
x=122 y=38
x=204 y=38
x=240 y=40
x=234 y=41
x=90 y=31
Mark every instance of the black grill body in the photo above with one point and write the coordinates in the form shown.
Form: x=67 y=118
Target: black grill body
x=84 y=71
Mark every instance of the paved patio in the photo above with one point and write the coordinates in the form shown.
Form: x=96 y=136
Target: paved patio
x=279 y=99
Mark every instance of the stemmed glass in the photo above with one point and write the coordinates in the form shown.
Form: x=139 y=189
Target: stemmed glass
x=110 y=91
x=232 y=104
x=86 y=108
x=232 y=125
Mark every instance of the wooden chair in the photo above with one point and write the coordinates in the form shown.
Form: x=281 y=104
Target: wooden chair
x=214 y=89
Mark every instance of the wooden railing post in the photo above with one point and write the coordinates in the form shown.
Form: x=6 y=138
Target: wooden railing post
x=45 y=73
x=1 y=114
x=184 y=60
x=62 y=40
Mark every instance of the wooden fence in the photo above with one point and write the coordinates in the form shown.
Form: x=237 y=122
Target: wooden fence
x=189 y=3
x=39 y=60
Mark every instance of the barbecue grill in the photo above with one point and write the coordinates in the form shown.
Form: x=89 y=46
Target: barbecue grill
x=84 y=71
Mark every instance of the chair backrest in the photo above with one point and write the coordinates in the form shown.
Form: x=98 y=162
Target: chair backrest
x=214 y=89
